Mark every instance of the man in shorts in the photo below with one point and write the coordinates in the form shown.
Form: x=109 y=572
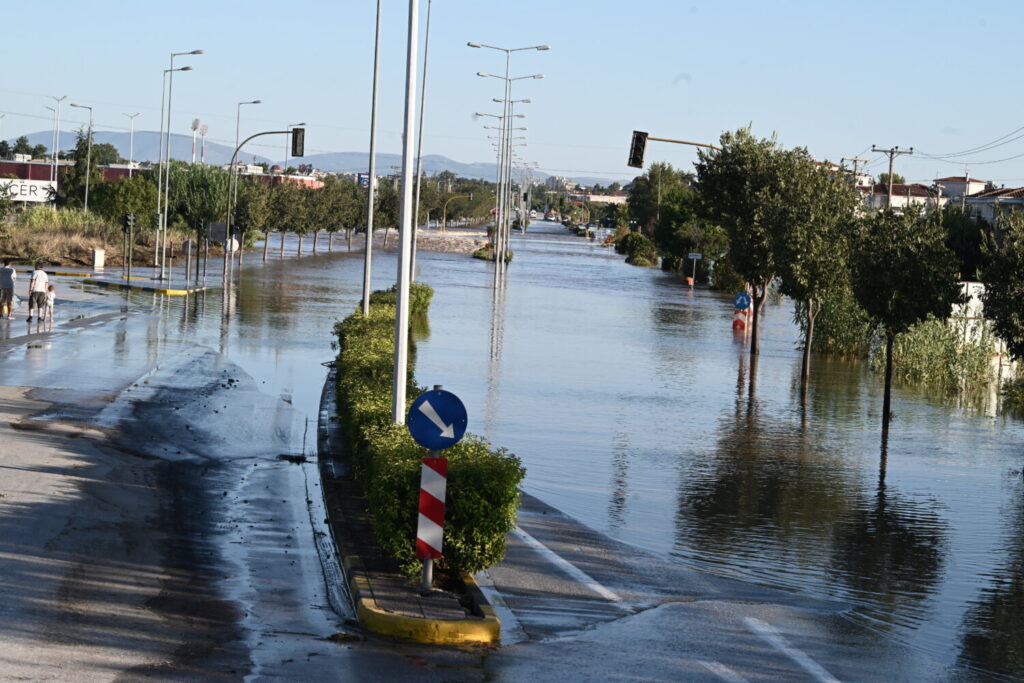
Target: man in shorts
x=37 y=291
x=7 y=278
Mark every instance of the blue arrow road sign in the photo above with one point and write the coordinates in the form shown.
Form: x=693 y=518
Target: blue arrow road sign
x=741 y=301
x=437 y=419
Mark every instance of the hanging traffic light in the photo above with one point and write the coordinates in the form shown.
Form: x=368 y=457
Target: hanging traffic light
x=298 y=141
x=636 y=150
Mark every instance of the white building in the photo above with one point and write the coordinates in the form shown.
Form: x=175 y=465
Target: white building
x=903 y=194
x=956 y=187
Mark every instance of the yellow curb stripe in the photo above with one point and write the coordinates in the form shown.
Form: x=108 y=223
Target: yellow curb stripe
x=157 y=290
x=485 y=630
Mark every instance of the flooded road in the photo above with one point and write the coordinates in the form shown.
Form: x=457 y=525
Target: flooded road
x=628 y=398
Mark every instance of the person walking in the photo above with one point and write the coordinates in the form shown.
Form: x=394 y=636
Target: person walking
x=7 y=277
x=37 y=291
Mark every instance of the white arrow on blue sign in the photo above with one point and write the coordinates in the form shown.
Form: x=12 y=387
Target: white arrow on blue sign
x=437 y=419
x=741 y=301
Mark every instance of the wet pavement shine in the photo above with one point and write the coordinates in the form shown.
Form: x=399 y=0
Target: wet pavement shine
x=736 y=527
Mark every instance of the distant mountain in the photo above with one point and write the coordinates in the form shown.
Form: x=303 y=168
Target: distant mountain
x=147 y=146
x=147 y=149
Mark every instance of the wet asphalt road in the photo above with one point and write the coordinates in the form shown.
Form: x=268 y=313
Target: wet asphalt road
x=218 y=533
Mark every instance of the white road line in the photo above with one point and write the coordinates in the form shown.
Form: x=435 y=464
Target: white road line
x=572 y=570
x=770 y=634
x=722 y=671
x=511 y=630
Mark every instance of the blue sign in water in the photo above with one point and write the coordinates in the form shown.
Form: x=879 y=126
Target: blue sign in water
x=437 y=419
x=741 y=301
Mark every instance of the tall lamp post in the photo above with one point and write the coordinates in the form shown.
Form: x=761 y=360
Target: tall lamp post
x=131 y=143
x=56 y=133
x=419 y=146
x=88 y=154
x=160 y=165
x=167 y=153
x=508 y=89
x=371 y=190
x=505 y=224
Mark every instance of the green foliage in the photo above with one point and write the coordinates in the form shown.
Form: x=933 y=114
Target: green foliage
x=104 y=153
x=724 y=277
x=197 y=194
x=902 y=270
x=736 y=184
x=1004 y=284
x=483 y=483
x=964 y=237
x=841 y=327
x=897 y=179
x=130 y=195
x=933 y=353
x=1013 y=395
x=638 y=249
x=71 y=189
x=662 y=186
x=252 y=213
x=22 y=146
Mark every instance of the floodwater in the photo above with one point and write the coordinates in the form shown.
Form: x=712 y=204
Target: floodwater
x=629 y=399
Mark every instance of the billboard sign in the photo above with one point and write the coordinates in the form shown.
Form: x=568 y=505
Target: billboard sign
x=28 y=190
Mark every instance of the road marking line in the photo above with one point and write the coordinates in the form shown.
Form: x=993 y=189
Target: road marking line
x=722 y=671
x=511 y=630
x=770 y=634
x=572 y=570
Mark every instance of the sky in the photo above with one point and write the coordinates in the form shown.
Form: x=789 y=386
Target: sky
x=834 y=77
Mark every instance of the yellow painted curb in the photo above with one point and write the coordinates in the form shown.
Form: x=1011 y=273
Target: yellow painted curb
x=61 y=273
x=156 y=290
x=483 y=631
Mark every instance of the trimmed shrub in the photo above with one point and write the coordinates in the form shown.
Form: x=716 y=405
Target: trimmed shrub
x=483 y=493
x=638 y=249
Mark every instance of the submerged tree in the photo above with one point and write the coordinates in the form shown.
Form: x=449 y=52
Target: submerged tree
x=813 y=248
x=902 y=273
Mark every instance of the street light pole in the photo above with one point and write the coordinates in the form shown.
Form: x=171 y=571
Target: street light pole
x=131 y=143
x=399 y=379
x=419 y=145
x=167 y=154
x=88 y=154
x=502 y=222
x=56 y=134
x=368 y=250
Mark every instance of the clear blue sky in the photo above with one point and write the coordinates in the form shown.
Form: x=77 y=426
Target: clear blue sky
x=835 y=77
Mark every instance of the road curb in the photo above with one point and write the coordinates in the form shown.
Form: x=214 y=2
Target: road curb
x=484 y=629
x=143 y=288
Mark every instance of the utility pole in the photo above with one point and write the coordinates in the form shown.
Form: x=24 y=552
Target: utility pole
x=856 y=166
x=893 y=152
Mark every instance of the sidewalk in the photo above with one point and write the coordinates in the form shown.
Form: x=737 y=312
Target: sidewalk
x=387 y=602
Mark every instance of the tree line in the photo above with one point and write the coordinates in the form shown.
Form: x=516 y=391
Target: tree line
x=197 y=195
x=771 y=218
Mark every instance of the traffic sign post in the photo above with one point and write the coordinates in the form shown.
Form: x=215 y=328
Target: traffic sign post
x=436 y=420
x=694 y=257
x=741 y=304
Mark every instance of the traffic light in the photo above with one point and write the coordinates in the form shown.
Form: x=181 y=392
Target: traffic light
x=298 y=141
x=128 y=222
x=636 y=150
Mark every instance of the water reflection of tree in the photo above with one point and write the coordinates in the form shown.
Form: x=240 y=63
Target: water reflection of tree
x=778 y=490
x=993 y=629
x=890 y=551
x=769 y=487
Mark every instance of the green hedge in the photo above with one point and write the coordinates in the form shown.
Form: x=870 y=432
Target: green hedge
x=483 y=493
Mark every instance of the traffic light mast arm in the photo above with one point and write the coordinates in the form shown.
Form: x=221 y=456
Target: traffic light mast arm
x=684 y=142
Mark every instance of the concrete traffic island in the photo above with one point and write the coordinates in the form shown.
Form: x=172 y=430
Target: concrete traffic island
x=385 y=601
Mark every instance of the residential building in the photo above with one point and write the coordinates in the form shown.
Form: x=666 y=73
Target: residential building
x=903 y=194
x=993 y=203
x=958 y=187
